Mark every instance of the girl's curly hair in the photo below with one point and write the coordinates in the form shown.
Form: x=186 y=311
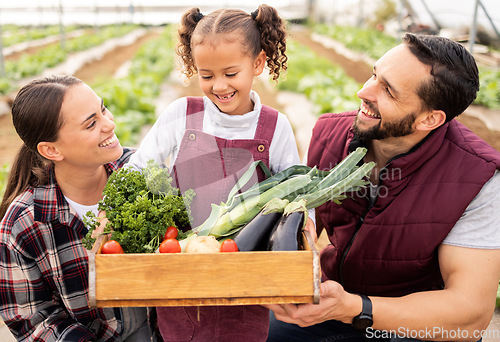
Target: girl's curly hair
x=262 y=30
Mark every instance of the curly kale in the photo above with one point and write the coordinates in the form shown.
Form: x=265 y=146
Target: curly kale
x=140 y=206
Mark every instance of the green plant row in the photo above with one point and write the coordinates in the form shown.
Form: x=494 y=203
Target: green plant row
x=4 y=173
x=489 y=89
x=374 y=44
x=498 y=296
x=34 y=64
x=131 y=99
x=325 y=84
x=12 y=35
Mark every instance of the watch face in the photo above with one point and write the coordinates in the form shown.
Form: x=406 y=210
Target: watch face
x=362 y=322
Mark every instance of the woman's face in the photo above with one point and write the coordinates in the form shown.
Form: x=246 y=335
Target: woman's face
x=87 y=136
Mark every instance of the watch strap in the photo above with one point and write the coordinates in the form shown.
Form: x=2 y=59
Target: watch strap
x=365 y=318
x=367 y=305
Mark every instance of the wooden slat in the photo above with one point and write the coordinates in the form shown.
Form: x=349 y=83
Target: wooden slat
x=204 y=279
x=205 y=301
x=203 y=275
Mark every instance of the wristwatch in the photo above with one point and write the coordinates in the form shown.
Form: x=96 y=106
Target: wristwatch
x=365 y=318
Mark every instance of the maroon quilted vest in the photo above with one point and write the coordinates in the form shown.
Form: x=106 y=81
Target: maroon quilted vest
x=390 y=248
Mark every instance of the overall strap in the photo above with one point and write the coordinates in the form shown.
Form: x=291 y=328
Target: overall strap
x=267 y=124
x=194 y=106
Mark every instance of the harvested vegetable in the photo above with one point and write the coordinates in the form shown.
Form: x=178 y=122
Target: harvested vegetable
x=286 y=234
x=254 y=236
x=203 y=244
x=170 y=246
x=247 y=210
x=139 y=207
x=171 y=233
x=112 y=247
x=229 y=245
x=298 y=182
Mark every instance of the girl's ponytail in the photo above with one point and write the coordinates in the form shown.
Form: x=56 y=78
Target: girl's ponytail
x=273 y=38
x=188 y=23
x=28 y=169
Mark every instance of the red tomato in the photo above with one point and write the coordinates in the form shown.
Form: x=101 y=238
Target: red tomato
x=171 y=233
x=228 y=245
x=170 y=246
x=112 y=247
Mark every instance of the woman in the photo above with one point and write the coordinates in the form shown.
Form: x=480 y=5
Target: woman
x=59 y=174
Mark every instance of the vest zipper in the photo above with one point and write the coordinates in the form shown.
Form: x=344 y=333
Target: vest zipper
x=358 y=226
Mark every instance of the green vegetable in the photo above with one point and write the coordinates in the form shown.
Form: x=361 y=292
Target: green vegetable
x=140 y=207
x=314 y=187
x=246 y=210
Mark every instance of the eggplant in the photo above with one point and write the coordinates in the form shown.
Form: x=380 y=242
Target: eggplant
x=286 y=235
x=254 y=236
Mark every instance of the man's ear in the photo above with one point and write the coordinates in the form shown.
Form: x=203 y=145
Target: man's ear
x=431 y=120
x=260 y=63
x=49 y=151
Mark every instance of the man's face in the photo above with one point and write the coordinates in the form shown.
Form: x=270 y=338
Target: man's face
x=390 y=104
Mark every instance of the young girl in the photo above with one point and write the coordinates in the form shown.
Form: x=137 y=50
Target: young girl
x=59 y=174
x=212 y=141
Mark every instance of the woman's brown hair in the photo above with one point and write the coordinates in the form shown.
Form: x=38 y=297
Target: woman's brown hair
x=36 y=117
x=262 y=30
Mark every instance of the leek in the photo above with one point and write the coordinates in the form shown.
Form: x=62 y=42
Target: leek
x=296 y=183
x=246 y=210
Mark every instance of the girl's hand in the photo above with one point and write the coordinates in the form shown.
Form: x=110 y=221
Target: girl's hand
x=102 y=224
x=311 y=228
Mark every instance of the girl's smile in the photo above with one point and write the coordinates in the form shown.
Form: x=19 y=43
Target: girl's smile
x=226 y=74
x=226 y=97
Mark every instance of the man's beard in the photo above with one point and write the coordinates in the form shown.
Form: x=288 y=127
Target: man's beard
x=400 y=128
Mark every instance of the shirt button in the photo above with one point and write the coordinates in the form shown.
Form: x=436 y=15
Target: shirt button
x=192 y=137
x=261 y=148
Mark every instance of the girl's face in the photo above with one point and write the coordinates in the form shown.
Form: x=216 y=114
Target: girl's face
x=226 y=74
x=87 y=136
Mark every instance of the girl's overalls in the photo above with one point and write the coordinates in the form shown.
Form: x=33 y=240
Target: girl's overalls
x=211 y=166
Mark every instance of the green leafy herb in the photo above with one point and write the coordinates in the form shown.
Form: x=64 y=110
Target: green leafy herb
x=139 y=207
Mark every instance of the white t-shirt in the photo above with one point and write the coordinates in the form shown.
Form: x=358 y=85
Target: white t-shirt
x=81 y=209
x=163 y=140
x=479 y=225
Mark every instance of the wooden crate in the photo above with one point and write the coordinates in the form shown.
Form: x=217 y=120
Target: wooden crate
x=204 y=279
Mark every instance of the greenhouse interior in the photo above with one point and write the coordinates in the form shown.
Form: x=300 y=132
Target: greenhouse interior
x=126 y=52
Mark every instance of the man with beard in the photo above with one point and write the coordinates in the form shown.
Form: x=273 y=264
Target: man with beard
x=417 y=255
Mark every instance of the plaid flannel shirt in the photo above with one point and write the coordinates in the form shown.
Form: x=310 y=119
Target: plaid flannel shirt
x=44 y=270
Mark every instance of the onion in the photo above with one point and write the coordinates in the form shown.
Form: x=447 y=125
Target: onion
x=203 y=244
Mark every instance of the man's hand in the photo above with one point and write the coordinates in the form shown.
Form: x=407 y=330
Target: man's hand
x=334 y=303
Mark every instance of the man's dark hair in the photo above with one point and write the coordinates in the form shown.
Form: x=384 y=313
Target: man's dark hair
x=455 y=77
